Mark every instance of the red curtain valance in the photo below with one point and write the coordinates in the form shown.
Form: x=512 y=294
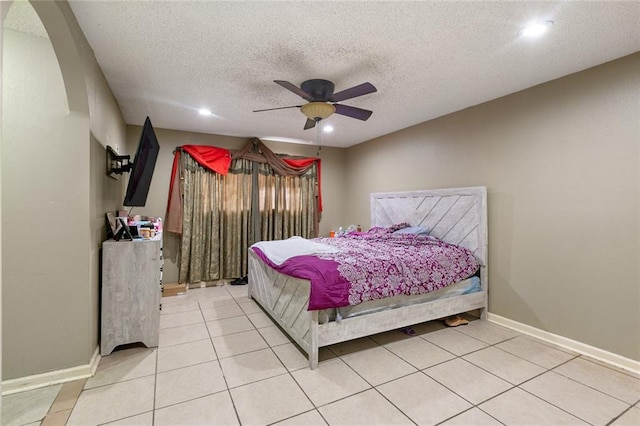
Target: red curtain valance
x=218 y=160
x=210 y=157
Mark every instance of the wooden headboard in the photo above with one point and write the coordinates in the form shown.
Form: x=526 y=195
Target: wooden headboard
x=454 y=215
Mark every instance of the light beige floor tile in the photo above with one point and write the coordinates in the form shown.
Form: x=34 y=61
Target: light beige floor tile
x=185 y=354
x=169 y=307
x=222 y=312
x=213 y=302
x=251 y=367
x=583 y=402
x=536 y=351
x=633 y=373
x=273 y=335
x=213 y=292
x=222 y=327
x=351 y=346
x=333 y=380
x=269 y=400
x=292 y=357
x=188 y=383
x=123 y=365
x=260 y=319
x=473 y=417
x=113 y=402
x=504 y=365
x=30 y=406
x=144 y=419
x=454 y=341
x=517 y=407
x=181 y=318
x=310 y=418
x=184 y=334
x=629 y=418
x=378 y=365
x=607 y=380
x=366 y=408
x=250 y=306
x=419 y=352
x=238 y=343
x=422 y=399
x=487 y=332
x=216 y=409
x=470 y=382
x=239 y=292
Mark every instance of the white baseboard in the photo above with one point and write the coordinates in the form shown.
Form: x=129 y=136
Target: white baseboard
x=573 y=345
x=53 y=377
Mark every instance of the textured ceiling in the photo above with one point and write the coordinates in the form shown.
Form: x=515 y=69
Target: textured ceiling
x=427 y=59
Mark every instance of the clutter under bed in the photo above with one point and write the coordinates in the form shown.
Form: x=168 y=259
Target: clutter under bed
x=424 y=258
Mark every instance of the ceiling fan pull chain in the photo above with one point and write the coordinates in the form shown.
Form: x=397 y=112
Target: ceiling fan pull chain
x=318 y=135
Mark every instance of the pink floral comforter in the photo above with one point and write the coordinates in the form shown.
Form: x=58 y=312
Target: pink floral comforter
x=377 y=264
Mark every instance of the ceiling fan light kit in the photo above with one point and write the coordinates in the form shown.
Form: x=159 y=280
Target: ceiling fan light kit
x=317 y=110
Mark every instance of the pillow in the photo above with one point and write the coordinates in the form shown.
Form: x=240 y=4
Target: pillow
x=397 y=226
x=416 y=230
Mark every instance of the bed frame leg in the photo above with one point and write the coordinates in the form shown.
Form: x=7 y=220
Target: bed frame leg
x=483 y=313
x=313 y=360
x=313 y=343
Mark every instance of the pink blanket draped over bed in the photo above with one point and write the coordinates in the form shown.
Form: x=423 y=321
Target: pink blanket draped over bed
x=377 y=264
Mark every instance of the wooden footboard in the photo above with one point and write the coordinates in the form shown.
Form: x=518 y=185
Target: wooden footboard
x=286 y=300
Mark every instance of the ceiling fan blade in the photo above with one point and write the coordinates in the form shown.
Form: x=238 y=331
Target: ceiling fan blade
x=309 y=124
x=355 y=91
x=273 y=109
x=295 y=89
x=353 y=112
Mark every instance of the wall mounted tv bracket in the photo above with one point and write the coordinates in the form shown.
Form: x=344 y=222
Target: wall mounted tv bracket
x=117 y=164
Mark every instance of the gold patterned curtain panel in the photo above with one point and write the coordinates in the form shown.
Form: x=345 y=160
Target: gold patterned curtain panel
x=223 y=214
x=216 y=221
x=287 y=204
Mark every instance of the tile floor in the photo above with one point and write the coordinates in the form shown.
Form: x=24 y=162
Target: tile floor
x=221 y=361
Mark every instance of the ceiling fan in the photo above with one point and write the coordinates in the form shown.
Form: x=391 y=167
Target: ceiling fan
x=323 y=102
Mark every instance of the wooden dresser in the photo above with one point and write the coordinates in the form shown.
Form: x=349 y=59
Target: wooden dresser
x=131 y=292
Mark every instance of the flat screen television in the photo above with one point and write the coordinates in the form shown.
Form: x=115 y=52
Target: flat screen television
x=142 y=168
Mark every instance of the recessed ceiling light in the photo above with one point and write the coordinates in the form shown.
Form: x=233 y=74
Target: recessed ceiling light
x=536 y=29
x=204 y=111
x=328 y=128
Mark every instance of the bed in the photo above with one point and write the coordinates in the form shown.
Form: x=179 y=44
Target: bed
x=457 y=216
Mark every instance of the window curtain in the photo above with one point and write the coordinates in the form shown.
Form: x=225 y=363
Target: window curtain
x=287 y=204
x=221 y=202
x=216 y=221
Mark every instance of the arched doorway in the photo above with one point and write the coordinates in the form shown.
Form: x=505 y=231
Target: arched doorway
x=45 y=232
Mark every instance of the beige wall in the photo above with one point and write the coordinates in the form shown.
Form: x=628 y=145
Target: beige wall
x=561 y=163
x=45 y=265
x=333 y=173
x=54 y=193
